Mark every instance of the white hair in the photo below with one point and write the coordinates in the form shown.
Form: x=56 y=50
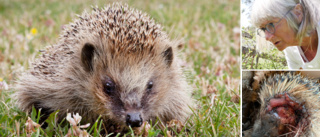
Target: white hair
x=266 y=10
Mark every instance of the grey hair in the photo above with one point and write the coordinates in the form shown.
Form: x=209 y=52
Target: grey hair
x=266 y=10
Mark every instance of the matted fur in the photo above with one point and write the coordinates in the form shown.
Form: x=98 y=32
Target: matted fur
x=129 y=48
x=303 y=90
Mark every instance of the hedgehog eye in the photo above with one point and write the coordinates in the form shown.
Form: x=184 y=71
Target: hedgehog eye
x=149 y=86
x=109 y=87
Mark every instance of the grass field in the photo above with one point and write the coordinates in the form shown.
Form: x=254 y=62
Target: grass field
x=210 y=29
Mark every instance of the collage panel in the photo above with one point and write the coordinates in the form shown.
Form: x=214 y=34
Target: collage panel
x=145 y=68
x=280 y=103
x=280 y=34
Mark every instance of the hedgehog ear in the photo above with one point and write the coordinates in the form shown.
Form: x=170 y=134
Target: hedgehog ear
x=168 y=55
x=180 y=44
x=87 y=54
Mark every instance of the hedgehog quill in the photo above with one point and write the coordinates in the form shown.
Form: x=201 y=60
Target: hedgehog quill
x=115 y=62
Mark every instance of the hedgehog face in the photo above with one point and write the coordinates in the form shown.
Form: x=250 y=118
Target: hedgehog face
x=133 y=85
x=266 y=126
x=126 y=104
x=129 y=66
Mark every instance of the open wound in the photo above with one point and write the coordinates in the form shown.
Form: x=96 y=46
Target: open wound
x=292 y=115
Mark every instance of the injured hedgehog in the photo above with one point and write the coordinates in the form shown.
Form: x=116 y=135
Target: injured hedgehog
x=280 y=104
x=115 y=63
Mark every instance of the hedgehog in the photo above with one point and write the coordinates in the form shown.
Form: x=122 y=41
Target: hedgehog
x=288 y=105
x=115 y=63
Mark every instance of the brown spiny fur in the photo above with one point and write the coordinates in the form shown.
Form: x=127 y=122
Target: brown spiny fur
x=301 y=89
x=114 y=44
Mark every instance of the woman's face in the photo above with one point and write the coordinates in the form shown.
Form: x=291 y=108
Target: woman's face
x=283 y=36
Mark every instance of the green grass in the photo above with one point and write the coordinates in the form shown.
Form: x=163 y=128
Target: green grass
x=211 y=52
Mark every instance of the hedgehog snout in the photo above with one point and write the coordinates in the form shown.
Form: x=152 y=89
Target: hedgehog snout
x=134 y=119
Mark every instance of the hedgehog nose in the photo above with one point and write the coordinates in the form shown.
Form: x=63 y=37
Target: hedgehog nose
x=134 y=119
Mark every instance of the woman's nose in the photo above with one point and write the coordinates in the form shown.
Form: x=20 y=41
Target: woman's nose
x=268 y=35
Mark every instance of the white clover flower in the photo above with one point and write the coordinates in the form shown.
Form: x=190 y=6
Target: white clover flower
x=76 y=130
x=3 y=84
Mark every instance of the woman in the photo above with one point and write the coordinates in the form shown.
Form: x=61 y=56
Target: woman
x=293 y=27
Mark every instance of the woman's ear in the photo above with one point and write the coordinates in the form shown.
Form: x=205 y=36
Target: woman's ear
x=298 y=12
